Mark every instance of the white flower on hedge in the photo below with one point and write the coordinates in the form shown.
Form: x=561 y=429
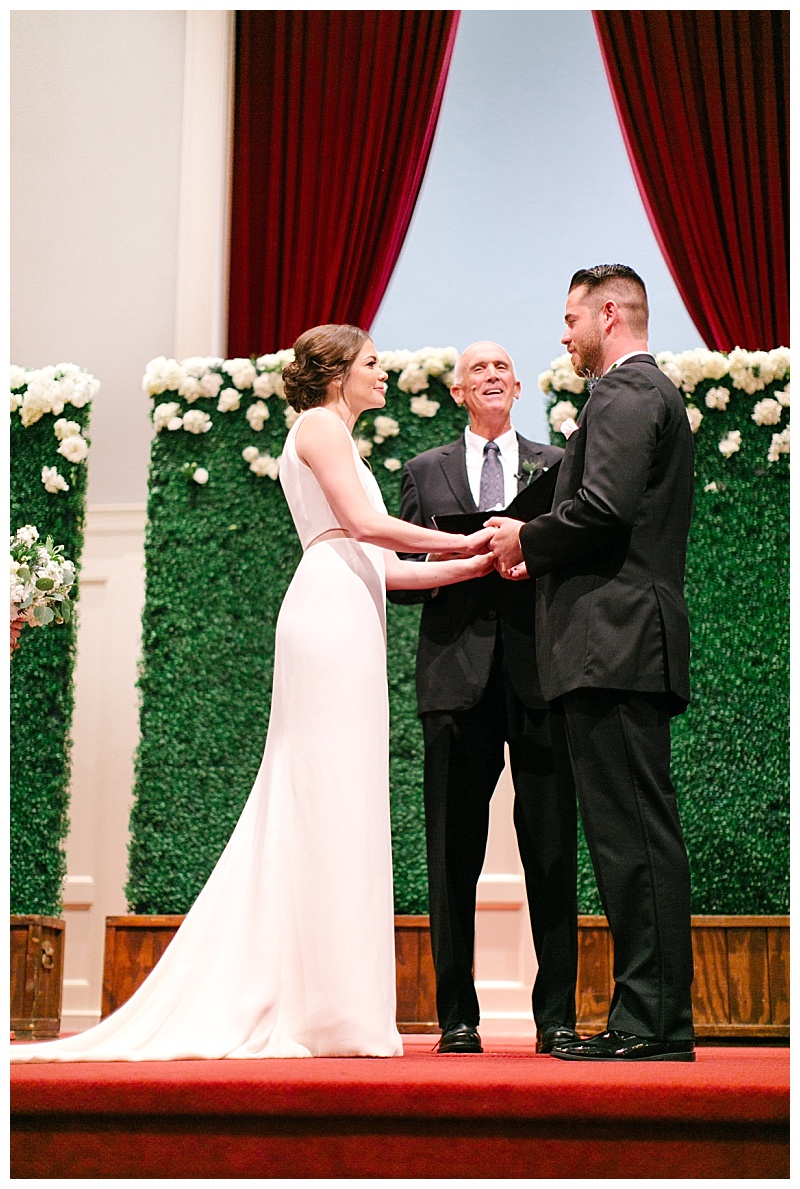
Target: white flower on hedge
x=712 y=486
x=27 y=534
x=200 y=475
x=199 y=365
x=74 y=448
x=779 y=359
x=163 y=414
x=697 y=365
x=779 y=445
x=394 y=361
x=211 y=383
x=191 y=389
x=241 y=371
x=276 y=362
x=784 y=397
x=695 y=417
x=65 y=429
x=16 y=401
x=717 y=398
x=249 y=453
x=229 y=401
x=767 y=412
x=421 y=406
x=256 y=415
x=175 y=423
x=196 y=421
x=393 y=464
x=730 y=443
x=413 y=378
x=562 y=411
x=385 y=427
x=364 y=447
x=163 y=375
x=17 y=376
x=668 y=364
x=53 y=481
x=268 y=384
x=750 y=371
x=290 y=416
x=561 y=377
x=262 y=465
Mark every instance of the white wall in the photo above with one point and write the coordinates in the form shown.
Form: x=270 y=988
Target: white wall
x=96 y=109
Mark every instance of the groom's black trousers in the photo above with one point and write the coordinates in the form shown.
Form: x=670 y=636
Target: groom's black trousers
x=619 y=753
x=464 y=756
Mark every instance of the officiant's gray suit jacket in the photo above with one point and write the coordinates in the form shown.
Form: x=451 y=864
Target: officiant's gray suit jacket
x=609 y=557
x=460 y=624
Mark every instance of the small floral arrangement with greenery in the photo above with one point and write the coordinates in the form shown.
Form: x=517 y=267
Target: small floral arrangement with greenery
x=40 y=578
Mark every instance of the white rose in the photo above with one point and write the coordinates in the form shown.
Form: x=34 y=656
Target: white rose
x=268 y=384
x=28 y=534
x=422 y=407
x=229 y=400
x=730 y=443
x=779 y=445
x=290 y=416
x=17 y=376
x=413 y=379
x=196 y=421
x=211 y=383
x=717 y=398
x=385 y=427
x=65 y=429
x=53 y=482
x=16 y=401
x=767 y=412
x=711 y=486
x=74 y=448
x=191 y=389
x=241 y=372
x=364 y=447
x=562 y=411
x=163 y=414
x=784 y=397
x=263 y=465
x=200 y=475
x=175 y=423
x=34 y=405
x=256 y=415
x=695 y=417
x=249 y=453
x=392 y=464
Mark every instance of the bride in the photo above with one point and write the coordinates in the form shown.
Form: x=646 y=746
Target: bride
x=288 y=951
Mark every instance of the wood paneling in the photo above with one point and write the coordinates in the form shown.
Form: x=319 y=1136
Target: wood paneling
x=741 y=985
x=741 y=975
x=37 y=970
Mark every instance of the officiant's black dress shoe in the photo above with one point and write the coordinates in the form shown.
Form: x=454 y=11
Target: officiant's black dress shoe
x=556 y=1036
x=460 y=1038
x=624 y=1046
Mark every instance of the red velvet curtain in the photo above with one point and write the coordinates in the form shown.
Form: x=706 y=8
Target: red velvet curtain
x=703 y=103
x=334 y=119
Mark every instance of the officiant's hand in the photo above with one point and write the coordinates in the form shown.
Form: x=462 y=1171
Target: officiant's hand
x=505 y=544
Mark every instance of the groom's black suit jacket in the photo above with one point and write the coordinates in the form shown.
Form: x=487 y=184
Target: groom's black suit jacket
x=610 y=557
x=459 y=624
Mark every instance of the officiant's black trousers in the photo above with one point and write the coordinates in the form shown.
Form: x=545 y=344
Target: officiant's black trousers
x=619 y=752
x=464 y=757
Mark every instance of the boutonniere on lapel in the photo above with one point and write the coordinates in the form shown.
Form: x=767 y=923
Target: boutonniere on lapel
x=531 y=470
x=568 y=428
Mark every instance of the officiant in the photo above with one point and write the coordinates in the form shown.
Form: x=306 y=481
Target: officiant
x=478 y=690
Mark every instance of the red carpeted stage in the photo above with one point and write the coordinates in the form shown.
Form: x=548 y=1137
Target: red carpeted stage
x=506 y=1114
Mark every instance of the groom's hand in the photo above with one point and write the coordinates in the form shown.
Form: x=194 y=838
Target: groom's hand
x=504 y=544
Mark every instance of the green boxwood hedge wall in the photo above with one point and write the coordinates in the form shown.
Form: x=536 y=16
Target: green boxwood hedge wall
x=220 y=554
x=41 y=679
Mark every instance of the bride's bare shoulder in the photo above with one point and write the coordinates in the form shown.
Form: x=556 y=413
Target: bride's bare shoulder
x=322 y=430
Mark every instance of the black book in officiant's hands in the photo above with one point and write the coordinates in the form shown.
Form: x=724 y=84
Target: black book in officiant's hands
x=534 y=500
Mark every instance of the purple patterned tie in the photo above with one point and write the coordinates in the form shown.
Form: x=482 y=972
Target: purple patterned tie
x=492 y=490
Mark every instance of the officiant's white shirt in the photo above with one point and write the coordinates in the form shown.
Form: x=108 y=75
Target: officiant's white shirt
x=509 y=460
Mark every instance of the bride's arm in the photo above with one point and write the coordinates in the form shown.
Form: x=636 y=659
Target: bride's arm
x=411 y=575
x=322 y=444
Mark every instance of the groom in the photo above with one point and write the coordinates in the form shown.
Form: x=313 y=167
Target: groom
x=613 y=646
x=478 y=689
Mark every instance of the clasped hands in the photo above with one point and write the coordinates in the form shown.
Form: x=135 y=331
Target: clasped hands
x=500 y=537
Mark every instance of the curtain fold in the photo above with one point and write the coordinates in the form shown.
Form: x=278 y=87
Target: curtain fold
x=703 y=103
x=334 y=118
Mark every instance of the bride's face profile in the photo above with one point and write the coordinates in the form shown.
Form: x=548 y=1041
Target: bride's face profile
x=365 y=385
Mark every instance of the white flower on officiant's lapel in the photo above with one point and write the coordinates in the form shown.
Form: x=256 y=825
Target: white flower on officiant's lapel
x=730 y=443
x=53 y=481
x=195 y=421
x=256 y=415
x=695 y=417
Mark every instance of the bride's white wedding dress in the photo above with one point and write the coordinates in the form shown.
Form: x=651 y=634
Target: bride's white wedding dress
x=288 y=951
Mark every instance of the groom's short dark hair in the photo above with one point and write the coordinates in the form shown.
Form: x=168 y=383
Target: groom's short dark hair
x=627 y=286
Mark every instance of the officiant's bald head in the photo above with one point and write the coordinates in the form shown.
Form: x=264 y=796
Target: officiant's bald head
x=485 y=382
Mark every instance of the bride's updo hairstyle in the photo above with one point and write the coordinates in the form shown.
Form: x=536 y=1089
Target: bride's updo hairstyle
x=320 y=355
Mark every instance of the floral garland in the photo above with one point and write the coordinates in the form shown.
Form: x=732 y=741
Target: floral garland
x=231 y=381
x=45 y=391
x=694 y=373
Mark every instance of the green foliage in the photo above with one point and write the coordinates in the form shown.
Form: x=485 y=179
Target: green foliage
x=41 y=689
x=220 y=556
x=730 y=755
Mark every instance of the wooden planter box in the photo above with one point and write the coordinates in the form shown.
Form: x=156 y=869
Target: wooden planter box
x=37 y=971
x=741 y=985
x=741 y=976
x=135 y=943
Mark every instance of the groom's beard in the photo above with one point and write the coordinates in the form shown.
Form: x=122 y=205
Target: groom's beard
x=591 y=367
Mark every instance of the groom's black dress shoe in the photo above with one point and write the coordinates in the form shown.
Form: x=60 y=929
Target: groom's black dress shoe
x=624 y=1046
x=460 y=1038
x=556 y=1036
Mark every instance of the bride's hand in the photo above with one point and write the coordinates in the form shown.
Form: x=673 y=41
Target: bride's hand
x=478 y=565
x=476 y=542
